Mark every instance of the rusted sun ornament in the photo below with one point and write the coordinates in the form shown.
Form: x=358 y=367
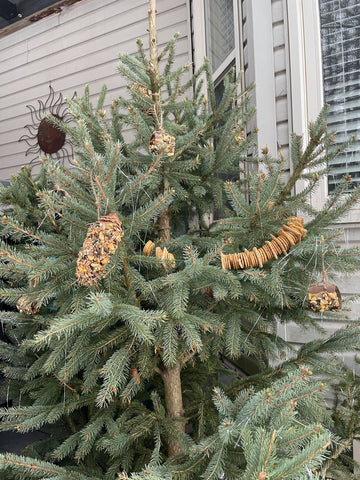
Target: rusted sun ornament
x=44 y=137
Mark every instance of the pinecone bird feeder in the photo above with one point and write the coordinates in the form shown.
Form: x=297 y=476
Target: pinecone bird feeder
x=100 y=244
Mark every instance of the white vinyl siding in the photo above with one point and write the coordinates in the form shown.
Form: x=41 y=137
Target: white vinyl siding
x=265 y=65
x=281 y=77
x=78 y=46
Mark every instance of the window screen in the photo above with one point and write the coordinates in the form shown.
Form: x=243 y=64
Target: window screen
x=340 y=37
x=220 y=32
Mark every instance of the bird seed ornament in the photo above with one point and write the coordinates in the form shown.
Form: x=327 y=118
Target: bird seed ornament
x=148 y=247
x=162 y=142
x=101 y=242
x=160 y=253
x=165 y=255
x=290 y=234
x=25 y=305
x=324 y=296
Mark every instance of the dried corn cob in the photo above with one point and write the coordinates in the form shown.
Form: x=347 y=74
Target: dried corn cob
x=165 y=255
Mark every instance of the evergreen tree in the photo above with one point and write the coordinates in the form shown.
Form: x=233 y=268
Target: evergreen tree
x=130 y=315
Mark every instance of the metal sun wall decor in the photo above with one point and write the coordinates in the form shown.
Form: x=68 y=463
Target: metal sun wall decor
x=45 y=137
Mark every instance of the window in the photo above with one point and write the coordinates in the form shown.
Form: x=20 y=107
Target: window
x=220 y=33
x=16 y=14
x=216 y=35
x=231 y=34
x=340 y=42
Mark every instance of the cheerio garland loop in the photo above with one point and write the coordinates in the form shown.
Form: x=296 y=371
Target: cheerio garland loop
x=290 y=234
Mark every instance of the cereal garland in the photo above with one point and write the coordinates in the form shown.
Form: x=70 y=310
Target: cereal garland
x=290 y=234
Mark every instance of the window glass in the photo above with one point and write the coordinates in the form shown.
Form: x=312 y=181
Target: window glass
x=220 y=31
x=340 y=38
x=12 y=11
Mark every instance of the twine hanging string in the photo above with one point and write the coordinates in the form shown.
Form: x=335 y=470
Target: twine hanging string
x=324 y=270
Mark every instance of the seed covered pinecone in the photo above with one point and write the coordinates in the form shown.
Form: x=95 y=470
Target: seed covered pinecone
x=162 y=142
x=100 y=244
x=25 y=305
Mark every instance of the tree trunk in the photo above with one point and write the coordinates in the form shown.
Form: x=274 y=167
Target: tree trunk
x=170 y=376
x=163 y=226
x=174 y=405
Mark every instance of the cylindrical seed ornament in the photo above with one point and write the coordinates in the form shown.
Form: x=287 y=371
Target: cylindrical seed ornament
x=100 y=244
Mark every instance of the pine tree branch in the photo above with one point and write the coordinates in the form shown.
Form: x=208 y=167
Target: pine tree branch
x=114 y=163
x=217 y=251
x=32 y=467
x=36 y=237
x=141 y=180
x=57 y=209
x=307 y=460
x=154 y=62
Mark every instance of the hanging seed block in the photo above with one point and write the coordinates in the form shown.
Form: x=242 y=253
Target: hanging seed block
x=100 y=244
x=324 y=297
x=162 y=142
x=25 y=305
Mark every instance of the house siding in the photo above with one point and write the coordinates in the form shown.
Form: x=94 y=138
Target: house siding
x=280 y=74
x=287 y=101
x=78 y=46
